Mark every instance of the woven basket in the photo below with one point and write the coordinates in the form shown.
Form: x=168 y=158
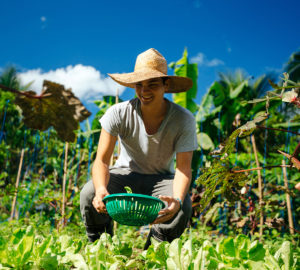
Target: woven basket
x=133 y=209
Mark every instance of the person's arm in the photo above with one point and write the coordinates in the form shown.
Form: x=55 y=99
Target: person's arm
x=100 y=170
x=181 y=185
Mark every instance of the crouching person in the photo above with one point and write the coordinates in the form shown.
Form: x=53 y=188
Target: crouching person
x=152 y=131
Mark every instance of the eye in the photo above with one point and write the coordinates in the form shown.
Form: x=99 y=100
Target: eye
x=153 y=85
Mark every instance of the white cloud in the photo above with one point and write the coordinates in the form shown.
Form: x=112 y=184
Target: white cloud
x=202 y=60
x=199 y=58
x=214 y=62
x=86 y=82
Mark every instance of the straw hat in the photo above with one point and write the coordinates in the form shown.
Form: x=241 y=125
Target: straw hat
x=149 y=65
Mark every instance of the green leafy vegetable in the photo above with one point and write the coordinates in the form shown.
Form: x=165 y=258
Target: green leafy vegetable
x=128 y=189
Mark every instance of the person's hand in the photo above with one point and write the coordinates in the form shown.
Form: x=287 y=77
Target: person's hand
x=97 y=201
x=169 y=212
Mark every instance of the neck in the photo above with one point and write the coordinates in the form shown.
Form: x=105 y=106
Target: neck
x=155 y=111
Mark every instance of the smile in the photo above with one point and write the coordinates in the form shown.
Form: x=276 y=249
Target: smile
x=146 y=98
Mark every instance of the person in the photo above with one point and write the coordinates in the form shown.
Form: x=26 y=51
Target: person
x=152 y=131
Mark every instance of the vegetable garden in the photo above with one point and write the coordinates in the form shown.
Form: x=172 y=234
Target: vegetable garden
x=245 y=172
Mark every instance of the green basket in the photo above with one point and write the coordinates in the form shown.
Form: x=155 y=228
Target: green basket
x=133 y=209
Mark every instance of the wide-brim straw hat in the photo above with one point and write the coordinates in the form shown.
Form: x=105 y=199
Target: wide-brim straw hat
x=149 y=65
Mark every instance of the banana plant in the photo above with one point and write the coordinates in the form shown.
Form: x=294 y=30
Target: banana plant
x=103 y=106
x=184 y=69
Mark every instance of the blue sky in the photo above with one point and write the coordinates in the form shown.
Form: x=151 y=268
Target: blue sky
x=79 y=42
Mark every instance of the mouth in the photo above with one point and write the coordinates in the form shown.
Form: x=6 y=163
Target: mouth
x=146 y=98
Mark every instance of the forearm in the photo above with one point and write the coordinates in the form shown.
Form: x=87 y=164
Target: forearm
x=181 y=184
x=100 y=171
x=100 y=175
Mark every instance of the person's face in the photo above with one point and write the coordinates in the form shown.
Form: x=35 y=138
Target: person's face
x=151 y=91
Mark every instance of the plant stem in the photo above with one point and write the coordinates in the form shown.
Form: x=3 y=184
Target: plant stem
x=64 y=185
x=6 y=88
x=292 y=159
x=297 y=151
x=117 y=101
x=261 y=168
x=278 y=129
x=118 y=154
x=13 y=207
x=288 y=201
x=260 y=190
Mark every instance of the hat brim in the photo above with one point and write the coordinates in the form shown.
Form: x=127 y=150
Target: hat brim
x=177 y=84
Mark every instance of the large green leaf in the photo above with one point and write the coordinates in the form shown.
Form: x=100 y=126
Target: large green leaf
x=205 y=107
x=184 y=69
x=293 y=66
x=49 y=262
x=227 y=247
x=171 y=264
x=218 y=92
x=242 y=244
x=256 y=251
x=207 y=257
x=235 y=92
x=271 y=262
x=285 y=253
x=44 y=245
x=175 y=251
x=186 y=254
x=204 y=141
x=24 y=248
x=104 y=104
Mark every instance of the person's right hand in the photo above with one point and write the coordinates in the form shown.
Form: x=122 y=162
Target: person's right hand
x=97 y=201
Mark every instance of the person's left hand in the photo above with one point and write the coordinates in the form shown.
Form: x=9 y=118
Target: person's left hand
x=169 y=212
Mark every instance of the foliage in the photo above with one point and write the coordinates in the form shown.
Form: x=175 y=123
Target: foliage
x=280 y=93
x=32 y=241
x=219 y=177
x=184 y=69
x=103 y=105
x=34 y=248
x=56 y=106
x=128 y=189
x=293 y=66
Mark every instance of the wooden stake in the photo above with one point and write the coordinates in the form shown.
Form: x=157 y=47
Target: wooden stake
x=261 y=168
x=13 y=207
x=118 y=149
x=118 y=154
x=288 y=202
x=64 y=186
x=117 y=101
x=260 y=190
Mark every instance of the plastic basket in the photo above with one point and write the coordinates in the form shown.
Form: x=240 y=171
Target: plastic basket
x=133 y=209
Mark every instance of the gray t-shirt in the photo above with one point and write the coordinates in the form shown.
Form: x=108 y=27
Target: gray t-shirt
x=144 y=153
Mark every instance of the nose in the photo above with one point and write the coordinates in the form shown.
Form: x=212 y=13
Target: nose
x=144 y=88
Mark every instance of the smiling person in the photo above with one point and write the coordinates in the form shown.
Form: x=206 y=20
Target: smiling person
x=152 y=131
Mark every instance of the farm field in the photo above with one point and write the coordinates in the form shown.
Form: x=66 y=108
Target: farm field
x=30 y=244
x=244 y=191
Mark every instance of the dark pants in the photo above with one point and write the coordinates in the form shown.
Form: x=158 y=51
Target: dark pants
x=153 y=185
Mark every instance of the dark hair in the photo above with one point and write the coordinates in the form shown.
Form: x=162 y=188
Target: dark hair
x=164 y=79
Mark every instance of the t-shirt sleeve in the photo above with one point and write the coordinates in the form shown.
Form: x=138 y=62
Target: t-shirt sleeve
x=110 y=121
x=187 y=139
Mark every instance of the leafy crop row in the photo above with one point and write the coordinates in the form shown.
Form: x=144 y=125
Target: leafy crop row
x=30 y=248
